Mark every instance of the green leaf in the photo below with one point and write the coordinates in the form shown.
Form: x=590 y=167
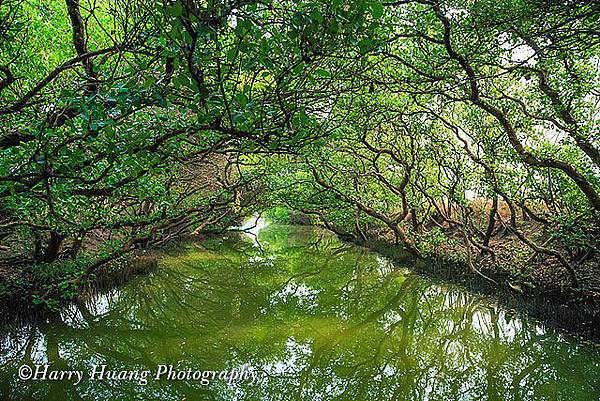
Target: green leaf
x=302 y=117
x=180 y=80
x=299 y=68
x=321 y=72
x=149 y=82
x=243 y=26
x=365 y=45
x=231 y=54
x=241 y=99
x=176 y=10
x=376 y=10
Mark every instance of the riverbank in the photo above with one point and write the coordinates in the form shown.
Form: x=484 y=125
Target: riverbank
x=510 y=271
x=541 y=288
x=24 y=284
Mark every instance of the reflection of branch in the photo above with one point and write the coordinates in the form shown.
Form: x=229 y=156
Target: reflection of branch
x=248 y=231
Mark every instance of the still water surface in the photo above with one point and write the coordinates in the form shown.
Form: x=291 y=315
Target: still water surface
x=315 y=318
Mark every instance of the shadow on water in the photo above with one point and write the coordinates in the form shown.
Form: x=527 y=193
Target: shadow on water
x=317 y=318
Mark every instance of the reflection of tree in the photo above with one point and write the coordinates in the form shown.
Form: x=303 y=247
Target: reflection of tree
x=369 y=332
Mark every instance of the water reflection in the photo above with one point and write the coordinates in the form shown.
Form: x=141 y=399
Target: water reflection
x=320 y=320
x=252 y=228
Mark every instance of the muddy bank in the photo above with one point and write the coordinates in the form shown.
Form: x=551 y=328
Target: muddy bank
x=22 y=285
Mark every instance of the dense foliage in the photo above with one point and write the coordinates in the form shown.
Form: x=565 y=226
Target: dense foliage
x=131 y=122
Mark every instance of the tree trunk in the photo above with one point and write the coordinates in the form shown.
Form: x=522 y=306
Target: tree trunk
x=491 y=222
x=53 y=248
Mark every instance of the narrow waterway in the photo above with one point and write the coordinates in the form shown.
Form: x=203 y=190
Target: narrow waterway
x=296 y=315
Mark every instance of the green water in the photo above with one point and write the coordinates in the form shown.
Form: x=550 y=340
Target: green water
x=313 y=318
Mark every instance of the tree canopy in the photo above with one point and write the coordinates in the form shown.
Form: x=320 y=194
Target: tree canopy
x=136 y=121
